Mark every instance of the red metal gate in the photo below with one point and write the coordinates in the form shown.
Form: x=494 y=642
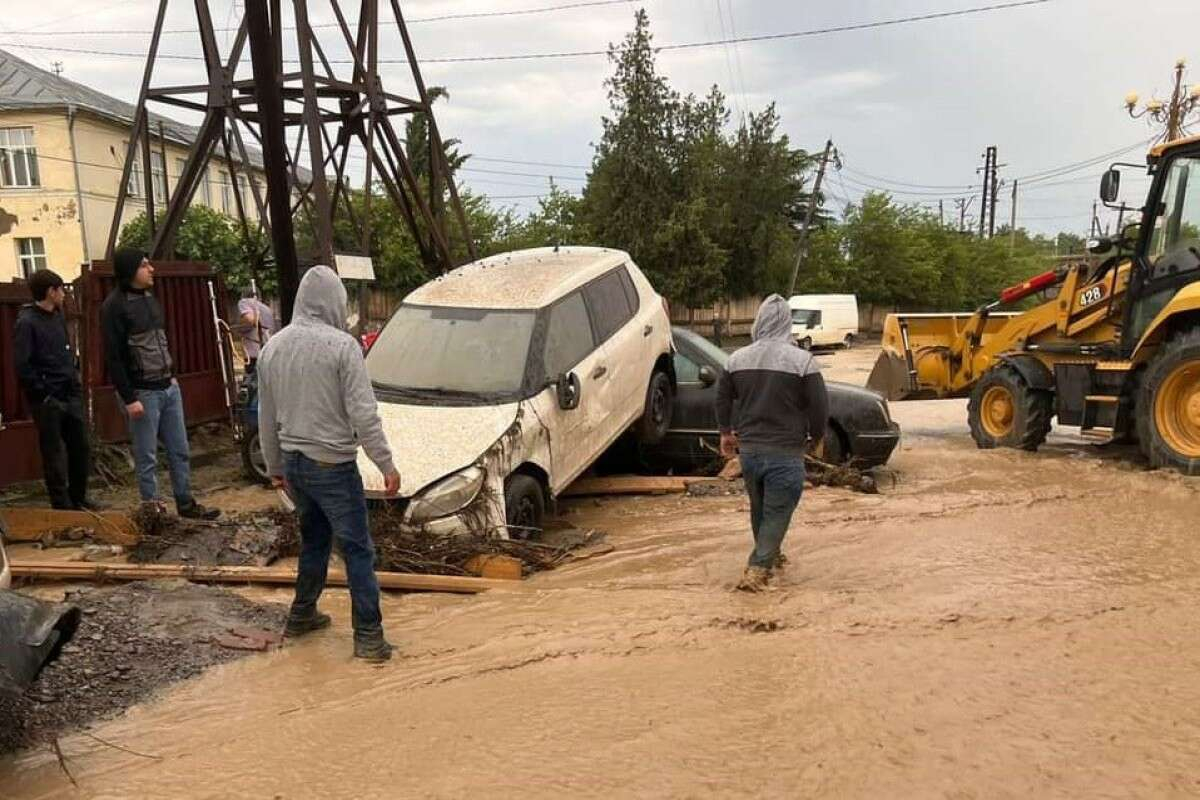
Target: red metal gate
x=182 y=288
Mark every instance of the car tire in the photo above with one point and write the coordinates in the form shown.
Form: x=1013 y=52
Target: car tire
x=524 y=506
x=655 y=421
x=832 y=449
x=253 y=463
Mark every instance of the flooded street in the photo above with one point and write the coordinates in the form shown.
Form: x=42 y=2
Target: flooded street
x=994 y=624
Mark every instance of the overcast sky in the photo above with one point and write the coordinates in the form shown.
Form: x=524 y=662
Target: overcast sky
x=915 y=104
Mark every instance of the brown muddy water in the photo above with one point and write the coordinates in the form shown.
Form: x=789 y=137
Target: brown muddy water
x=995 y=624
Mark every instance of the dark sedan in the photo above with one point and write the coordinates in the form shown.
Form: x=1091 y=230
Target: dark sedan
x=860 y=432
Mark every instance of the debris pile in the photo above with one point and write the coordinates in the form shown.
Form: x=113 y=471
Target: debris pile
x=133 y=640
x=234 y=541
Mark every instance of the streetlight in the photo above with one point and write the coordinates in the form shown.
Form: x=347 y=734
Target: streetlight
x=1172 y=114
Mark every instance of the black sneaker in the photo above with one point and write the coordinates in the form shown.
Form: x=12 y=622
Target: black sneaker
x=298 y=626
x=196 y=511
x=87 y=504
x=374 y=648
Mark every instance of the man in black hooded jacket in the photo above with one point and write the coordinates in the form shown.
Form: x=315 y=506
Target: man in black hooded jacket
x=49 y=374
x=140 y=368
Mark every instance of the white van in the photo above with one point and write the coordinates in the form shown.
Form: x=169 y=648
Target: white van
x=500 y=382
x=824 y=320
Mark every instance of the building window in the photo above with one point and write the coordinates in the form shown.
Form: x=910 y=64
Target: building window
x=202 y=191
x=31 y=255
x=246 y=195
x=158 y=174
x=134 y=187
x=227 y=204
x=18 y=159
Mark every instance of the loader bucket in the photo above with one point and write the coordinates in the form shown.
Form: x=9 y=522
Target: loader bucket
x=915 y=363
x=890 y=377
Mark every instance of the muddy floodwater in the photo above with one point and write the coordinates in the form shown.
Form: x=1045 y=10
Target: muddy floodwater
x=994 y=624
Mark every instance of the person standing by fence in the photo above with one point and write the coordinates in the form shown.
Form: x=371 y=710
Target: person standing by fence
x=49 y=374
x=140 y=367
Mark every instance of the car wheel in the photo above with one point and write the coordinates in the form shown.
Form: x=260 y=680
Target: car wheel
x=524 y=506
x=1168 y=406
x=253 y=463
x=832 y=449
x=805 y=343
x=1004 y=411
x=656 y=419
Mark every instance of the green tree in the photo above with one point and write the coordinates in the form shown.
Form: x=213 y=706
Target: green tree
x=212 y=237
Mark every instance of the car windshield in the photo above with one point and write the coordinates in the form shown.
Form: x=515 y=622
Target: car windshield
x=804 y=316
x=467 y=351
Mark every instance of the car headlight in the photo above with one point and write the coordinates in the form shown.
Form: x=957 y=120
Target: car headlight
x=447 y=495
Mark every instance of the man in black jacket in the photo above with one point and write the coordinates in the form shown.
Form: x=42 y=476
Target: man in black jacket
x=770 y=401
x=47 y=371
x=140 y=368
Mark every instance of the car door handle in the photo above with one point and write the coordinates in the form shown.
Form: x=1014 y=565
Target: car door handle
x=646 y=331
x=599 y=372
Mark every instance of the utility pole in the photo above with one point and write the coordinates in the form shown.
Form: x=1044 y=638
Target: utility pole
x=963 y=203
x=992 y=195
x=1172 y=114
x=1012 y=224
x=1095 y=221
x=987 y=188
x=802 y=245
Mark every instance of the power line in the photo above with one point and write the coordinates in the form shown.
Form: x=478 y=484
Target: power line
x=586 y=53
x=415 y=21
x=1054 y=172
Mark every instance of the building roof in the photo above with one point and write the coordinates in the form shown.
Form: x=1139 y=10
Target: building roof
x=522 y=279
x=24 y=87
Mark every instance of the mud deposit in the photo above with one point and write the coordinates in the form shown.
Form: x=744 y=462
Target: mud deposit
x=132 y=641
x=993 y=624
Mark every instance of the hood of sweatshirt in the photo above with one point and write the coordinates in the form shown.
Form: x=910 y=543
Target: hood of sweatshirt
x=321 y=298
x=773 y=321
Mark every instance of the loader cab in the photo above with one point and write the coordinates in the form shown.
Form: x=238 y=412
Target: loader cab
x=1167 y=254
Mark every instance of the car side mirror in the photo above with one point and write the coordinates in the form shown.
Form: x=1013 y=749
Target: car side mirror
x=1110 y=186
x=568 y=389
x=707 y=375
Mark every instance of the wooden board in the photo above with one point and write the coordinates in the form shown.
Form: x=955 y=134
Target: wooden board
x=31 y=524
x=630 y=484
x=499 y=567
x=76 y=571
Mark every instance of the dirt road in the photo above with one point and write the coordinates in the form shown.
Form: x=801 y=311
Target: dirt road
x=996 y=624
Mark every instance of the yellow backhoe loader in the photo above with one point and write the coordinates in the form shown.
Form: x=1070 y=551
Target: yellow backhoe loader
x=1113 y=348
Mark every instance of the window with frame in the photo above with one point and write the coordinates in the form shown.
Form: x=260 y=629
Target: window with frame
x=686 y=370
x=18 y=159
x=202 y=193
x=134 y=186
x=246 y=195
x=609 y=304
x=568 y=335
x=1177 y=223
x=158 y=177
x=31 y=255
x=227 y=204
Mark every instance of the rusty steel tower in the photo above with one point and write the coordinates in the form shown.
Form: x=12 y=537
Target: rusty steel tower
x=331 y=99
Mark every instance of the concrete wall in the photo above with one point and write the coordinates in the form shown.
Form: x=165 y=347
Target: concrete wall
x=61 y=210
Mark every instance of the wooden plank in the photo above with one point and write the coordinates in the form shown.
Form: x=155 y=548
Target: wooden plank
x=630 y=484
x=75 y=571
x=498 y=567
x=31 y=524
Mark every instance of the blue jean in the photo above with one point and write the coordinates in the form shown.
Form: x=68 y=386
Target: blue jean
x=330 y=501
x=775 y=482
x=162 y=420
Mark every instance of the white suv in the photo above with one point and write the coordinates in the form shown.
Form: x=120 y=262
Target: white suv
x=502 y=381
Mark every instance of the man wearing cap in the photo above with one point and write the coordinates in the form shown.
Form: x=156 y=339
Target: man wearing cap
x=140 y=368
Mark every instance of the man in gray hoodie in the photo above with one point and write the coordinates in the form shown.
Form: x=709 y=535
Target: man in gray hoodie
x=770 y=401
x=315 y=408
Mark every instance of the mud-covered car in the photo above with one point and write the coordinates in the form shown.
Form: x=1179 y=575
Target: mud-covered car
x=860 y=430
x=503 y=380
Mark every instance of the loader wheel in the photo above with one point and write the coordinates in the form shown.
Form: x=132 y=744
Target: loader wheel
x=1005 y=412
x=1168 y=406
